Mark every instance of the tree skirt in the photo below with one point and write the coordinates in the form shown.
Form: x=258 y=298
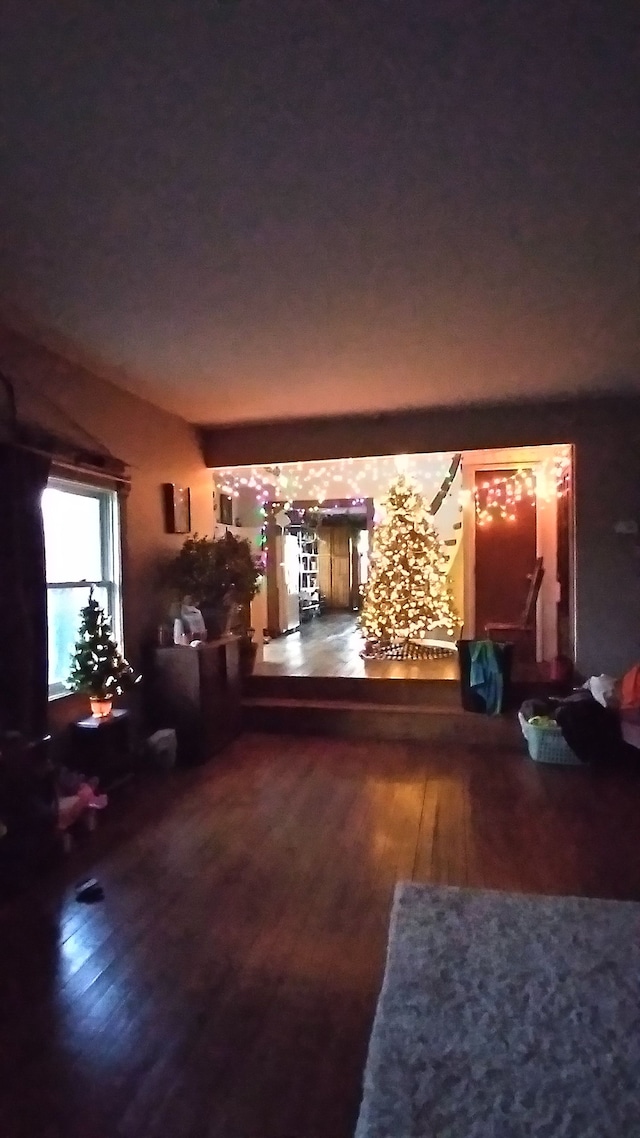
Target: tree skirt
x=506 y=1016
x=405 y=650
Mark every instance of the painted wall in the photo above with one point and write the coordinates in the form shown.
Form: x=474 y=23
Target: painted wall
x=159 y=447
x=605 y=433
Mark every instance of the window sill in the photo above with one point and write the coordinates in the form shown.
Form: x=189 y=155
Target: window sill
x=55 y=696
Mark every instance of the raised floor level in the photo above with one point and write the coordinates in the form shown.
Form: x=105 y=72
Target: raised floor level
x=330 y=645
x=315 y=681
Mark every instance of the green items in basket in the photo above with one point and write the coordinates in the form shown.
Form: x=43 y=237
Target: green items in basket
x=545 y=722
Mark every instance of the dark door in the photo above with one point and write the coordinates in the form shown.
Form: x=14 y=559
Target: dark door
x=505 y=553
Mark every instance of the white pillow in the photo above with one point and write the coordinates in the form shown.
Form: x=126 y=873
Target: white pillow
x=603 y=688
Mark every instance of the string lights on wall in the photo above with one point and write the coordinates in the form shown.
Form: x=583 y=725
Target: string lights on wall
x=498 y=497
x=351 y=479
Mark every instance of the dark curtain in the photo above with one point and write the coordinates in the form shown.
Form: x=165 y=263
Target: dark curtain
x=23 y=593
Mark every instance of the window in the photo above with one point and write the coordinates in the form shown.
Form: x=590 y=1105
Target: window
x=82 y=547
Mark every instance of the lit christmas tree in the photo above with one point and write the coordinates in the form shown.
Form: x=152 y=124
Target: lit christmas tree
x=408 y=594
x=97 y=666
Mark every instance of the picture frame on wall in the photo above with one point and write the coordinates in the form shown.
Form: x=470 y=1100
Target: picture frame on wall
x=177 y=508
x=226 y=510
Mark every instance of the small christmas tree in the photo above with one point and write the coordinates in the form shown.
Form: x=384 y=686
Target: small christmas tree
x=407 y=594
x=97 y=666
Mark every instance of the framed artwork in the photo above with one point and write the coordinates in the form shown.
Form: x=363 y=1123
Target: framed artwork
x=177 y=508
x=226 y=510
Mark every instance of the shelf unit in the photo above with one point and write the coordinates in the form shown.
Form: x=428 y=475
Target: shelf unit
x=309 y=581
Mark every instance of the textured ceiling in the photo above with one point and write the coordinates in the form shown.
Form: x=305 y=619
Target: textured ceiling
x=264 y=209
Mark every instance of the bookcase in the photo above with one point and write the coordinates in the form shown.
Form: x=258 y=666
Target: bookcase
x=309 y=586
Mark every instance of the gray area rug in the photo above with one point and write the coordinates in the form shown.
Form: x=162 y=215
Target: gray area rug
x=506 y=1016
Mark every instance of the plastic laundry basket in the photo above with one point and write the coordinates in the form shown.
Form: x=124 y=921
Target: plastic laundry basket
x=546 y=744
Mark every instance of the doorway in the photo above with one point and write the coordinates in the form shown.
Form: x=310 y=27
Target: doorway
x=506 y=547
x=340 y=542
x=487 y=566
x=334 y=564
x=500 y=555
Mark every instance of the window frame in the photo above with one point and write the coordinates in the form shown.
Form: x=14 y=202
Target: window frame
x=110 y=556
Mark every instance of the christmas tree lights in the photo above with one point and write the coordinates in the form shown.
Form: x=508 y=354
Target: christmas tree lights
x=408 y=594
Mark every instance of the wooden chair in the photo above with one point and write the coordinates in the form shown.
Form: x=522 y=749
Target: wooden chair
x=522 y=628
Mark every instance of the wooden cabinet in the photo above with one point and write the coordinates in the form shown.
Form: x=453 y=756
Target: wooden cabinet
x=197 y=691
x=102 y=748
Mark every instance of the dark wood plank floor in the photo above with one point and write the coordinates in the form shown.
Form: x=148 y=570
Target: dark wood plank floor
x=330 y=645
x=225 y=988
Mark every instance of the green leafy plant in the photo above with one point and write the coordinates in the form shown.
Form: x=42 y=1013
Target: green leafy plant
x=214 y=572
x=97 y=666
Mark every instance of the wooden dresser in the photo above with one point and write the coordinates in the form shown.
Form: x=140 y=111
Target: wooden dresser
x=197 y=691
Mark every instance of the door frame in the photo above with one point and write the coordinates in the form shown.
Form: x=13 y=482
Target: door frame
x=546 y=539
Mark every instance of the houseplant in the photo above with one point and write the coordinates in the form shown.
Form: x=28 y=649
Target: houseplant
x=97 y=666
x=220 y=576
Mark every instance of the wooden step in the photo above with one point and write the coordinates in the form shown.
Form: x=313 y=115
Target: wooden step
x=345 y=719
x=355 y=689
x=387 y=691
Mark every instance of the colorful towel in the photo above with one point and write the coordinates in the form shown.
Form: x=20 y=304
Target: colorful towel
x=486 y=675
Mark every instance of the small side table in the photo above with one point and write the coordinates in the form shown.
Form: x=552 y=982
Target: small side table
x=102 y=748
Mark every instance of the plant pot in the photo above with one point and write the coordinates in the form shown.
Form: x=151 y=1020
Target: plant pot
x=101 y=708
x=218 y=619
x=215 y=620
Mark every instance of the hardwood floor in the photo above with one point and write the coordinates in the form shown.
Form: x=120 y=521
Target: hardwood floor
x=330 y=645
x=225 y=988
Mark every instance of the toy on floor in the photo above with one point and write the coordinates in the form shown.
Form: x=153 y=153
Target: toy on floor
x=78 y=800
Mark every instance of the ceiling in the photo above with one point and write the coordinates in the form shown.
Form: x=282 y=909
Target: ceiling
x=256 y=210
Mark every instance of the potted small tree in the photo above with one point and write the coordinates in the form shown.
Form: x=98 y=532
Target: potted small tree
x=97 y=666
x=221 y=576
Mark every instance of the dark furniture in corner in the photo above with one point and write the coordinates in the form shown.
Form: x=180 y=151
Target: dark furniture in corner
x=197 y=691
x=28 y=809
x=102 y=748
